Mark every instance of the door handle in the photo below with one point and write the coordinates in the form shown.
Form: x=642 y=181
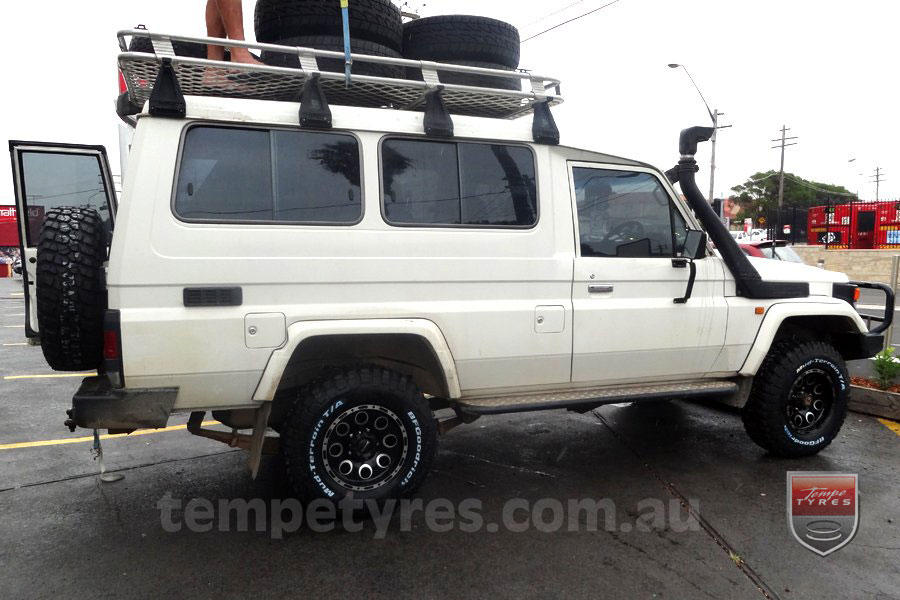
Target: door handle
x=600 y=288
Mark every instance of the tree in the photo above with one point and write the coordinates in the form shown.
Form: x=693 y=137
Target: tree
x=759 y=194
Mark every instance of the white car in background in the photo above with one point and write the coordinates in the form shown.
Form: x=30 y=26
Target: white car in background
x=759 y=235
x=740 y=236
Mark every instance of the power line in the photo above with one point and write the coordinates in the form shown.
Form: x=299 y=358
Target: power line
x=818 y=189
x=570 y=20
x=555 y=12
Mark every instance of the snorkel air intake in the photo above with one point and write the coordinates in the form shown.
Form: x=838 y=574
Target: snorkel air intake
x=747 y=279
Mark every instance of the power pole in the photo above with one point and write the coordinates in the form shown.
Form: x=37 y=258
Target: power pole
x=877 y=178
x=712 y=163
x=782 y=143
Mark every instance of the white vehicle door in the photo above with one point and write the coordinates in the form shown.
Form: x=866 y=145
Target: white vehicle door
x=46 y=176
x=628 y=272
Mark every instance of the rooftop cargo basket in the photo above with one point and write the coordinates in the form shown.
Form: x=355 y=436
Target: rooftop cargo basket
x=202 y=77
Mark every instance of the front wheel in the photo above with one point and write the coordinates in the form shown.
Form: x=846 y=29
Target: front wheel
x=367 y=432
x=798 y=401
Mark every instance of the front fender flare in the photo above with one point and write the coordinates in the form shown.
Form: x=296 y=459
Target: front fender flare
x=303 y=330
x=779 y=312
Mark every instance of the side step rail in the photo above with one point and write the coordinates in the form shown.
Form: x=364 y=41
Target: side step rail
x=585 y=399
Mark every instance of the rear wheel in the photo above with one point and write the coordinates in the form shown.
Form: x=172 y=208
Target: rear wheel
x=71 y=291
x=798 y=401
x=367 y=432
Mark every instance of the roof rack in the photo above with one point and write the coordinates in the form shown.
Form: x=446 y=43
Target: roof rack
x=203 y=77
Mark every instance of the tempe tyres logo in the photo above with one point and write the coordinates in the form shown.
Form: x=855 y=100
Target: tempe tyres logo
x=823 y=509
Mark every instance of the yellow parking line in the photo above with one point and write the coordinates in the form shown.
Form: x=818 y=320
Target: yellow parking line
x=892 y=425
x=49 y=376
x=90 y=438
x=17 y=344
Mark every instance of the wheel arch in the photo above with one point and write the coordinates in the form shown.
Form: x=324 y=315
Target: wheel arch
x=413 y=347
x=837 y=323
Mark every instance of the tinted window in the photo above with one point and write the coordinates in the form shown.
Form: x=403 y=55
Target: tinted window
x=623 y=213
x=230 y=174
x=448 y=183
x=61 y=179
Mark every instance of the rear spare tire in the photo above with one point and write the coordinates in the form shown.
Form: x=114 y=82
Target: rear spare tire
x=71 y=291
x=373 y=20
x=452 y=38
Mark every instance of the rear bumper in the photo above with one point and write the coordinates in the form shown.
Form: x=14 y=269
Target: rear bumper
x=97 y=405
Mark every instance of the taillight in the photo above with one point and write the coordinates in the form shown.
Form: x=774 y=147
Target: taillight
x=856 y=295
x=111 y=345
x=123 y=86
x=112 y=349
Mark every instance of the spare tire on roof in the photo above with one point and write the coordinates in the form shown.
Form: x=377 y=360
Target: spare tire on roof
x=451 y=38
x=372 y=20
x=336 y=44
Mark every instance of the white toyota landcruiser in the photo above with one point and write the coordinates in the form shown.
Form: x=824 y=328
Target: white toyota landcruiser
x=293 y=253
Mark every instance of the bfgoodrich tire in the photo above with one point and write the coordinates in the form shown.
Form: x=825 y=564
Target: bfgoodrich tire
x=798 y=401
x=373 y=20
x=71 y=292
x=366 y=431
x=452 y=38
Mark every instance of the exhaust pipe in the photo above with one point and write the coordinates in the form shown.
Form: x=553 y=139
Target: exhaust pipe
x=747 y=279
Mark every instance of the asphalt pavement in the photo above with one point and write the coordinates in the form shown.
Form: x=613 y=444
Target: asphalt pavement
x=66 y=534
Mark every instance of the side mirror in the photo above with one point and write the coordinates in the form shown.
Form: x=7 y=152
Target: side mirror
x=695 y=244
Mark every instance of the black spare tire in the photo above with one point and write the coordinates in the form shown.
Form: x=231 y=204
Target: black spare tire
x=336 y=44
x=71 y=290
x=452 y=38
x=373 y=20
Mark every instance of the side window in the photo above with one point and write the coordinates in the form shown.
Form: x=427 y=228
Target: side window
x=252 y=175
x=449 y=183
x=51 y=180
x=626 y=214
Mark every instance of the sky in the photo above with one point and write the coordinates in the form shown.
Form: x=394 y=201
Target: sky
x=826 y=69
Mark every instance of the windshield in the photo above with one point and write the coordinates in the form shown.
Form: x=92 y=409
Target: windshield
x=785 y=253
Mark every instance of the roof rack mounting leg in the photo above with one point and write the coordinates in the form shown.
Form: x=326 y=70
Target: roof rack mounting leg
x=437 y=118
x=543 y=127
x=166 y=99
x=314 y=111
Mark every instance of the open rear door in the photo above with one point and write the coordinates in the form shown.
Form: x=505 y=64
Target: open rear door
x=46 y=176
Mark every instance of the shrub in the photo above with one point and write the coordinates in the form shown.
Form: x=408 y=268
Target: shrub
x=886 y=367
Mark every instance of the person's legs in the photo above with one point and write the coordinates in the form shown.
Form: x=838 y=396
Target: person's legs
x=214 y=28
x=232 y=17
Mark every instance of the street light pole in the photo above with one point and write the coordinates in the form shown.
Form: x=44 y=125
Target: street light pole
x=712 y=159
x=714 y=116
